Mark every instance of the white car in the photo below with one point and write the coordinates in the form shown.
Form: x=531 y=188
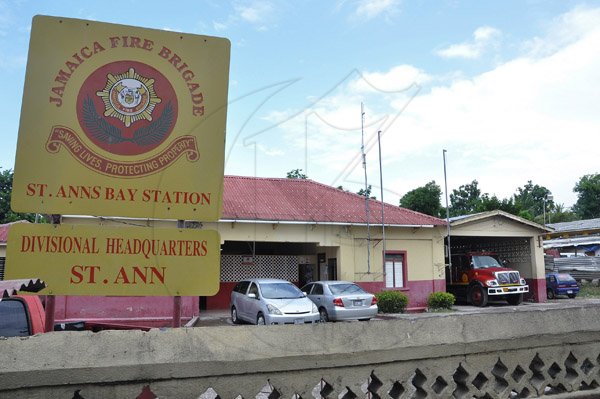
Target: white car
x=341 y=300
x=271 y=301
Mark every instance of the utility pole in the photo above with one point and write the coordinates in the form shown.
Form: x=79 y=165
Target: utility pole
x=382 y=206
x=447 y=218
x=364 y=162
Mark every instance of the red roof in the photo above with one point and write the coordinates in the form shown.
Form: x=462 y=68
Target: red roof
x=304 y=200
x=5 y=227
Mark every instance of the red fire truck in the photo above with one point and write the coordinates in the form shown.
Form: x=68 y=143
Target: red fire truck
x=479 y=276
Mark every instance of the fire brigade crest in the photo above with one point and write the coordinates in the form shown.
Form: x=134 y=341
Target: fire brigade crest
x=129 y=97
x=125 y=108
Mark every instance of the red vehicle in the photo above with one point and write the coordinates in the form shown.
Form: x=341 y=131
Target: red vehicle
x=21 y=315
x=24 y=315
x=479 y=276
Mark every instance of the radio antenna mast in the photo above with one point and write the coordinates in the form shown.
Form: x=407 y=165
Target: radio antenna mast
x=366 y=193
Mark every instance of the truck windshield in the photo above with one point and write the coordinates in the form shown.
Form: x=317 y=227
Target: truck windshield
x=483 y=262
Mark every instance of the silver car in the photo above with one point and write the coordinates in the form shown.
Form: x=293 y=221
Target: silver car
x=271 y=301
x=341 y=300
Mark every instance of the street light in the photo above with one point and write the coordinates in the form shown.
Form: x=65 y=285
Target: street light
x=548 y=197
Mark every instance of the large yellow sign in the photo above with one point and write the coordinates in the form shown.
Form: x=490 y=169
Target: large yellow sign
x=122 y=121
x=125 y=261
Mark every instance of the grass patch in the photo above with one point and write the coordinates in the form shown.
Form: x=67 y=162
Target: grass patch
x=589 y=290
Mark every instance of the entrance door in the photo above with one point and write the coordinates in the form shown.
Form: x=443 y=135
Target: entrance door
x=332 y=268
x=323 y=275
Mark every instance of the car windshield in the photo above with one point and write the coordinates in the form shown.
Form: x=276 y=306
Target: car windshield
x=565 y=278
x=341 y=289
x=484 y=261
x=280 y=291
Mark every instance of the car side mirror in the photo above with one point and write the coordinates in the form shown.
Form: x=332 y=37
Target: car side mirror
x=253 y=296
x=304 y=293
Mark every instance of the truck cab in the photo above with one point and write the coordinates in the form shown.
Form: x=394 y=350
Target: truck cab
x=21 y=316
x=478 y=276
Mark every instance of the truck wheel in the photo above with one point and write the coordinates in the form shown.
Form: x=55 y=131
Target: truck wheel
x=550 y=293
x=478 y=296
x=514 y=299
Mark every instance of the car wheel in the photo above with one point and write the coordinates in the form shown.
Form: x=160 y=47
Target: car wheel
x=572 y=295
x=514 y=299
x=550 y=293
x=324 y=315
x=234 y=316
x=478 y=296
x=260 y=320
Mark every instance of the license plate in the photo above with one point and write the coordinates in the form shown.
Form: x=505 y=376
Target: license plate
x=357 y=303
x=569 y=291
x=298 y=321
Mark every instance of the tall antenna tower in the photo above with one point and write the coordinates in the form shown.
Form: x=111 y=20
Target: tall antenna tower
x=364 y=163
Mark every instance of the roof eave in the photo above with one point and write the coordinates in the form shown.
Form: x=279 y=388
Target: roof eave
x=312 y=223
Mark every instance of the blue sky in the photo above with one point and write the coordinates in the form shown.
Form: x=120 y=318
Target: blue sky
x=508 y=88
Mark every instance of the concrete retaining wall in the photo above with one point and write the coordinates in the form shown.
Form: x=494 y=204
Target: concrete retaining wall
x=525 y=353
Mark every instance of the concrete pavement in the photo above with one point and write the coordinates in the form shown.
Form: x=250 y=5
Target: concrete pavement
x=222 y=317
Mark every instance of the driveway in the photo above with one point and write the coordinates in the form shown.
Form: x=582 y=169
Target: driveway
x=222 y=318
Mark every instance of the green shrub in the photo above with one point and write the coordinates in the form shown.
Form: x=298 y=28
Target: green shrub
x=391 y=301
x=440 y=300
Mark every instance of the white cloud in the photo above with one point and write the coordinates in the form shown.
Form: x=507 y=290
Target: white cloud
x=370 y=9
x=396 y=79
x=256 y=12
x=563 y=30
x=269 y=151
x=219 y=26
x=531 y=118
x=13 y=62
x=483 y=38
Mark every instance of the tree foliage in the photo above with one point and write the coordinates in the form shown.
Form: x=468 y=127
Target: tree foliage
x=6 y=214
x=366 y=193
x=588 y=197
x=528 y=202
x=532 y=199
x=296 y=174
x=424 y=199
x=558 y=214
x=465 y=200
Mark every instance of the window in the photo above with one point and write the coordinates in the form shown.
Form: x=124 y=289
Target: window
x=279 y=291
x=344 y=289
x=242 y=287
x=317 y=290
x=253 y=290
x=395 y=269
x=307 y=288
x=14 y=318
